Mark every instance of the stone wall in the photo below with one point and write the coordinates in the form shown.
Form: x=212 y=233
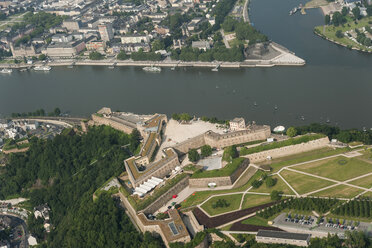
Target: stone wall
x=98 y=120
x=219 y=181
x=186 y=145
x=288 y=150
x=166 y=197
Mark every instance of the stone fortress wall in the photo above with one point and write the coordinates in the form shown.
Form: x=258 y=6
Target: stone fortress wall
x=288 y=150
x=98 y=120
x=220 y=141
x=219 y=181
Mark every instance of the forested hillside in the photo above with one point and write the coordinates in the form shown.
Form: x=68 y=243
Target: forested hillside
x=64 y=172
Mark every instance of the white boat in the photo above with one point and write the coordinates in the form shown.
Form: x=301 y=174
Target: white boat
x=42 y=68
x=214 y=69
x=152 y=69
x=6 y=71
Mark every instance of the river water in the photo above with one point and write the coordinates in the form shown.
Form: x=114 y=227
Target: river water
x=334 y=85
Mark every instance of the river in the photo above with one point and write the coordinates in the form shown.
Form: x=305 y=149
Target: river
x=334 y=85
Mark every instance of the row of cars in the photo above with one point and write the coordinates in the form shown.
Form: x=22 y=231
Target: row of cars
x=299 y=219
x=339 y=225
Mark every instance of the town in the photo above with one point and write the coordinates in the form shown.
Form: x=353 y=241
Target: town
x=134 y=33
x=202 y=181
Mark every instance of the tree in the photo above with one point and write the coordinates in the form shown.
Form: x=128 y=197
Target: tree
x=256 y=184
x=291 y=132
x=122 y=56
x=176 y=117
x=270 y=182
x=42 y=57
x=206 y=151
x=344 y=11
x=157 y=45
x=338 y=18
x=327 y=19
x=369 y=10
x=57 y=112
x=193 y=155
x=355 y=239
x=339 y=34
x=95 y=56
x=230 y=153
x=276 y=195
x=356 y=13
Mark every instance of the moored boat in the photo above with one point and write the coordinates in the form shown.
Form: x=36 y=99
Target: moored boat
x=152 y=69
x=6 y=71
x=42 y=68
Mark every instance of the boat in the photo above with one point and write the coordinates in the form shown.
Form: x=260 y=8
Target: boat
x=276 y=107
x=173 y=68
x=214 y=69
x=23 y=69
x=111 y=67
x=302 y=117
x=293 y=11
x=152 y=69
x=42 y=68
x=6 y=71
x=279 y=129
x=70 y=66
x=255 y=104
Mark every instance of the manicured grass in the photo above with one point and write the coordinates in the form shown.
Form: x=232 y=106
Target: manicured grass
x=341 y=191
x=365 y=182
x=200 y=196
x=252 y=200
x=330 y=31
x=339 y=168
x=279 y=163
x=274 y=145
x=368 y=194
x=225 y=171
x=279 y=186
x=233 y=200
x=303 y=183
x=255 y=220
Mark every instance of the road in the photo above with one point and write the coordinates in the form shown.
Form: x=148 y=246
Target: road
x=245 y=12
x=16 y=224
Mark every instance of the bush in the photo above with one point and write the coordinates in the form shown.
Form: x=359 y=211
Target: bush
x=291 y=132
x=270 y=182
x=95 y=56
x=230 y=153
x=206 y=151
x=256 y=184
x=193 y=155
x=220 y=203
x=276 y=195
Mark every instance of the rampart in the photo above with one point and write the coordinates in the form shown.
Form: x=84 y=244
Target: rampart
x=167 y=196
x=220 y=141
x=288 y=150
x=121 y=126
x=219 y=181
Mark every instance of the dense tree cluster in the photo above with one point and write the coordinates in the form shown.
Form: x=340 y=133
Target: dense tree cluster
x=122 y=56
x=193 y=155
x=221 y=10
x=218 y=53
x=95 y=55
x=338 y=18
x=67 y=170
x=142 y=56
x=355 y=208
x=332 y=132
x=181 y=117
x=302 y=204
x=206 y=151
x=38 y=112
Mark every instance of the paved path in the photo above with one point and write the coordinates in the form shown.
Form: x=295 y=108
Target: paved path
x=245 y=12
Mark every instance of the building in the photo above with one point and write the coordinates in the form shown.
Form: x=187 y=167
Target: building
x=135 y=38
x=201 y=45
x=106 y=32
x=237 y=124
x=96 y=45
x=278 y=237
x=71 y=25
x=65 y=49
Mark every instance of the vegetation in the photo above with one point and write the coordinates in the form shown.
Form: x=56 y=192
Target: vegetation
x=301 y=204
x=355 y=208
x=37 y=113
x=256 y=184
x=206 y=151
x=193 y=155
x=225 y=171
x=276 y=195
x=71 y=167
x=197 y=240
x=291 y=132
x=230 y=153
x=122 y=56
x=222 y=204
x=181 y=117
x=292 y=141
x=142 y=56
x=95 y=56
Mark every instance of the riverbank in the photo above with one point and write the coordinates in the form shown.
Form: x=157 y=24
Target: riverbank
x=284 y=58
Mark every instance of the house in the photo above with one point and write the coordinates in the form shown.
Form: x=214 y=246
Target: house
x=237 y=124
x=42 y=211
x=279 y=237
x=201 y=45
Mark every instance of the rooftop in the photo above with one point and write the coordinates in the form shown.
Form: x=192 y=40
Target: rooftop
x=283 y=235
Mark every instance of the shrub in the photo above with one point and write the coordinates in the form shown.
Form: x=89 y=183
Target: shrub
x=270 y=182
x=221 y=203
x=256 y=184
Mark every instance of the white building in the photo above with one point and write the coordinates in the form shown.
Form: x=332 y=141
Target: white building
x=237 y=124
x=135 y=38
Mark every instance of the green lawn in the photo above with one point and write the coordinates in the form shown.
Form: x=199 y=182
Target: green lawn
x=330 y=31
x=233 y=200
x=225 y=171
x=368 y=194
x=339 y=168
x=303 y=183
x=279 y=186
x=252 y=200
x=255 y=220
x=245 y=177
x=277 y=164
x=365 y=182
x=200 y=196
x=341 y=191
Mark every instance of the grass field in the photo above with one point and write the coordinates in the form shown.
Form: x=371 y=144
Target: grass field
x=339 y=168
x=341 y=191
x=365 y=182
x=200 y=196
x=368 y=194
x=330 y=31
x=233 y=200
x=303 y=183
x=280 y=186
x=255 y=220
x=279 y=163
x=252 y=200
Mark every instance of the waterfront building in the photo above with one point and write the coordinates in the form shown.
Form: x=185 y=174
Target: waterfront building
x=237 y=124
x=201 y=45
x=106 y=32
x=65 y=49
x=135 y=38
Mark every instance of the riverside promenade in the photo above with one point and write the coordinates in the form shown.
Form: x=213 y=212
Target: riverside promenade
x=285 y=58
